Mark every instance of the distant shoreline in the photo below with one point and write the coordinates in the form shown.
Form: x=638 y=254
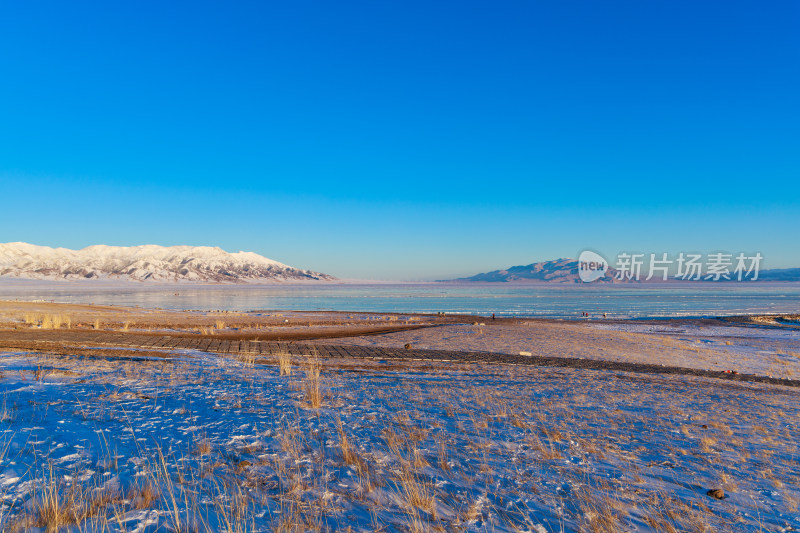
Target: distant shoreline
x=776 y=320
x=571 y=302
x=106 y=282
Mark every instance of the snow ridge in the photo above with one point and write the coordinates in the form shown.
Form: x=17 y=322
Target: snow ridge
x=145 y=263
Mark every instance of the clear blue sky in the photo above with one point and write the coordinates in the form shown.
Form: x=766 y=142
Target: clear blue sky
x=403 y=140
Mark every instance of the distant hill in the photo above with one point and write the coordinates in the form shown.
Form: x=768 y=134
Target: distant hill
x=566 y=271
x=780 y=274
x=145 y=263
x=557 y=271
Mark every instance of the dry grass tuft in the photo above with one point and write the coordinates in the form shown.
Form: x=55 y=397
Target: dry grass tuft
x=203 y=447
x=58 y=506
x=143 y=496
x=706 y=444
x=285 y=363
x=312 y=382
x=417 y=493
x=55 y=510
x=348 y=455
x=47 y=320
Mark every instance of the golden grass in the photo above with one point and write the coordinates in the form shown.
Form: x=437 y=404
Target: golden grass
x=48 y=320
x=57 y=506
x=256 y=326
x=54 y=509
x=600 y=505
x=203 y=447
x=706 y=444
x=143 y=495
x=348 y=455
x=312 y=385
x=465 y=424
x=285 y=363
x=417 y=493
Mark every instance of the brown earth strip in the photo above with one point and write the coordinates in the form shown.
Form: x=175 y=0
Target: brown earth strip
x=86 y=343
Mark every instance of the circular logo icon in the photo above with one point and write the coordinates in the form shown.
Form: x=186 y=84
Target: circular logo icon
x=591 y=266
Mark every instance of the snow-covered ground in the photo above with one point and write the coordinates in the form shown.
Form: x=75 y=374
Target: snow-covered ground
x=690 y=344
x=191 y=441
x=770 y=351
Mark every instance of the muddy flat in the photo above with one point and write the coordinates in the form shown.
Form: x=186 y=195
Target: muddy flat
x=758 y=347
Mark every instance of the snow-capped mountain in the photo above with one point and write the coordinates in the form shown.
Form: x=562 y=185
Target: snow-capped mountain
x=145 y=263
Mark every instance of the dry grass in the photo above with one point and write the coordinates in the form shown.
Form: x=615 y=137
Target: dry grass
x=706 y=444
x=48 y=320
x=417 y=493
x=602 y=513
x=58 y=505
x=260 y=326
x=466 y=447
x=53 y=508
x=478 y=415
x=285 y=363
x=203 y=446
x=348 y=456
x=312 y=384
x=143 y=495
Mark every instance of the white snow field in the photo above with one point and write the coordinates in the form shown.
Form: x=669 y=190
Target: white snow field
x=126 y=440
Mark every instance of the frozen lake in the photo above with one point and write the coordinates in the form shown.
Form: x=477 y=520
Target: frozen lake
x=557 y=301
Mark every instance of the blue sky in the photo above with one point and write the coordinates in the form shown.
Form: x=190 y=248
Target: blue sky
x=407 y=140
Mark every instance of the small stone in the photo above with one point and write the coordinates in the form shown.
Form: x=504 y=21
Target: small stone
x=717 y=493
x=407 y=346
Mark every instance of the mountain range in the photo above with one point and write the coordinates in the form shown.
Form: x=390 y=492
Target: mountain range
x=200 y=264
x=204 y=264
x=566 y=271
